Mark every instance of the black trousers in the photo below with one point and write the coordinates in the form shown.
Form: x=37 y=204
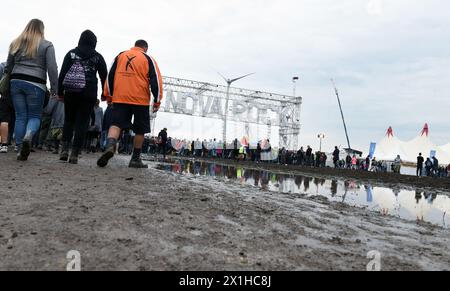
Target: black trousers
x=78 y=111
x=163 y=149
x=419 y=171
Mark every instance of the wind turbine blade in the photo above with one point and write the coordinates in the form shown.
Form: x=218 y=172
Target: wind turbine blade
x=226 y=80
x=237 y=79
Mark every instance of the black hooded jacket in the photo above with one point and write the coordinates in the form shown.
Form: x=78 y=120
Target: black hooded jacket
x=93 y=62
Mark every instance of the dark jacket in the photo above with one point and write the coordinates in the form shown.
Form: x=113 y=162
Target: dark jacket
x=163 y=136
x=92 y=61
x=420 y=161
x=336 y=154
x=435 y=163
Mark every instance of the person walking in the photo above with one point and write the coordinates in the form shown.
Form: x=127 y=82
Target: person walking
x=78 y=87
x=106 y=124
x=6 y=115
x=435 y=166
x=133 y=80
x=336 y=154
x=309 y=161
x=95 y=129
x=163 y=138
x=301 y=156
x=354 y=162
x=420 y=161
x=428 y=167
x=31 y=57
x=397 y=164
x=348 y=161
x=55 y=109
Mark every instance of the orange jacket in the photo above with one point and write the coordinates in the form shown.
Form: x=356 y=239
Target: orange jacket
x=132 y=76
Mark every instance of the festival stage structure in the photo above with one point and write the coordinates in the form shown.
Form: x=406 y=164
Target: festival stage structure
x=201 y=99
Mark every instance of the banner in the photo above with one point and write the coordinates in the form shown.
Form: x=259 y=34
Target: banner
x=432 y=154
x=373 y=147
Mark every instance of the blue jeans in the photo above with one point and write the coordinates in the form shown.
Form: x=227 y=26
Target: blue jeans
x=103 y=139
x=28 y=101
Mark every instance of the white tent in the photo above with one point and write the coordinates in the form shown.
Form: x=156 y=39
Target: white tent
x=445 y=148
x=391 y=146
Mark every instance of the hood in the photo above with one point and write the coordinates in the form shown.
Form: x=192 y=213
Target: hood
x=87 y=44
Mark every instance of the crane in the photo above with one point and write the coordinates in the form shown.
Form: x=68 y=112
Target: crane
x=342 y=114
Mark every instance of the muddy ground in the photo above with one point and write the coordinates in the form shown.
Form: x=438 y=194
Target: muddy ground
x=123 y=219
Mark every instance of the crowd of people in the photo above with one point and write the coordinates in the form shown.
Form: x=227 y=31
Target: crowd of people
x=67 y=118
x=263 y=152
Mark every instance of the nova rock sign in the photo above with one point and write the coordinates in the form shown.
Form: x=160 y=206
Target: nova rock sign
x=202 y=99
x=214 y=107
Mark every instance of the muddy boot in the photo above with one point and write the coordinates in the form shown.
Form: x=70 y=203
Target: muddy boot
x=25 y=150
x=107 y=155
x=56 y=150
x=74 y=156
x=64 y=152
x=137 y=164
x=136 y=161
x=94 y=145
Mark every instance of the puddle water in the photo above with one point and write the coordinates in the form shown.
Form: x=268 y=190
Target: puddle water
x=427 y=206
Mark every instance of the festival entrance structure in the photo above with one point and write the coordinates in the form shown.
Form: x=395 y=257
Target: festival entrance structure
x=201 y=99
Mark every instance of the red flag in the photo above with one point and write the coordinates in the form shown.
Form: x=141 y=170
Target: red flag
x=425 y=130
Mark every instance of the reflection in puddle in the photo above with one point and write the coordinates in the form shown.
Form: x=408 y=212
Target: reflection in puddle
x=411 y=205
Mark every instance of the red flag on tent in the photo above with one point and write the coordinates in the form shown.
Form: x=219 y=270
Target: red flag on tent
x=425 y=130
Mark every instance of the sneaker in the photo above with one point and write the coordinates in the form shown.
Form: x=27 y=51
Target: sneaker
x=24 y=151
x=3 y=149
x=104 y=159
x=137 y=164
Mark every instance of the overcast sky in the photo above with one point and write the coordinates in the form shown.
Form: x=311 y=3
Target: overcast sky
x=390 y=58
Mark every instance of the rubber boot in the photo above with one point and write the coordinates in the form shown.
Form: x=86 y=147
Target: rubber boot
x=74 y=156
x=65 y=152
x=56 y=150
x=137 y=164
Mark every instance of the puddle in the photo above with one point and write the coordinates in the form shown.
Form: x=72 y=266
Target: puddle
x=426 y=206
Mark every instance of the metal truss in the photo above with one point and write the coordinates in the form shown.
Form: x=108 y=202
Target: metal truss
x=285 y=109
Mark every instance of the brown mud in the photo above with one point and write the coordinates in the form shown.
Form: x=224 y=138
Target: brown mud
x=124 y=219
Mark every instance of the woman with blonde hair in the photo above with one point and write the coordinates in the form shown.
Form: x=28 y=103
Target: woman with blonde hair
x=31 y=57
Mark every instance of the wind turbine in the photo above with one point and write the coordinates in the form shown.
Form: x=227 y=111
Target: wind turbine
x=229 y=82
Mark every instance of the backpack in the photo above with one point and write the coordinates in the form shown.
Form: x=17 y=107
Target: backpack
x=75 y=79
